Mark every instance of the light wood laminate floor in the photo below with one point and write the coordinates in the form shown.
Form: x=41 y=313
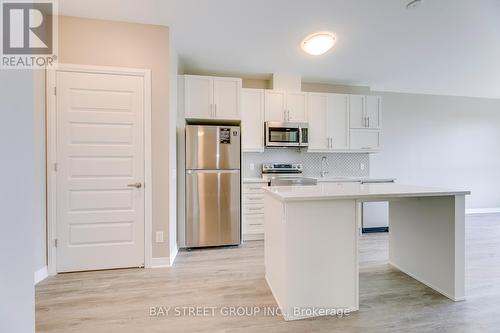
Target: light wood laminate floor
x=390 y=301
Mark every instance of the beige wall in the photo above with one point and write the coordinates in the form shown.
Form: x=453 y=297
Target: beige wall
x=334 y=88
x=120 y=44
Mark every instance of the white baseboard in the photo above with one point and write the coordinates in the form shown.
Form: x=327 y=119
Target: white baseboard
x=160 y=262
x=482 y=211
x=173 y=254
x=41 y=274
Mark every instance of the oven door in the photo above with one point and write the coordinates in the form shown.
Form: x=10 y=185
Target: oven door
x=282 y=135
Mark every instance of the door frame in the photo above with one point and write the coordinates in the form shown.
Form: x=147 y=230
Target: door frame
x=51 y=160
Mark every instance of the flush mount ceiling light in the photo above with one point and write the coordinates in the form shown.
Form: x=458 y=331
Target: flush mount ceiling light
x=318 y=42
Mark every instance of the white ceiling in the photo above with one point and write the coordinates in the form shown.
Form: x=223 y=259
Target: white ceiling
x=449 y=47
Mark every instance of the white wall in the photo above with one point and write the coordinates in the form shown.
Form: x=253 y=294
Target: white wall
x=17 y=299
x=172 y=160
x=442 y=141
x=40 y=172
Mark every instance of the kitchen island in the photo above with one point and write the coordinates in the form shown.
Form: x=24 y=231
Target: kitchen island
x=311 y=242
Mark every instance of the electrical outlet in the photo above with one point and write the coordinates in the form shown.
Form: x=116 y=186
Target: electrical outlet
x=252 y=166
x=361 y=166
x=159 y=236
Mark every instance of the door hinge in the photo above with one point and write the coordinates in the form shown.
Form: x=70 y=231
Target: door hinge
x=55 y=242
x=55 y=167
x=55 y=90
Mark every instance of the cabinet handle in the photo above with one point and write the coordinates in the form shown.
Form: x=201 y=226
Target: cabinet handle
x=211 y=110
x=215 y=110
x=368 y=121
x=255 y=198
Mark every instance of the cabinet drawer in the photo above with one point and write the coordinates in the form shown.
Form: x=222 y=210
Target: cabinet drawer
x=253 y=188
x=253 y=209
x=253 y=198
x=253 y=224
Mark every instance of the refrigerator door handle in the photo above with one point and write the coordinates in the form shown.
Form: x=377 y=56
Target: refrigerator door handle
x=213 y=171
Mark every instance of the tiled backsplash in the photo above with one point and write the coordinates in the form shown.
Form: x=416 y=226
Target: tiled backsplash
x=339 y=164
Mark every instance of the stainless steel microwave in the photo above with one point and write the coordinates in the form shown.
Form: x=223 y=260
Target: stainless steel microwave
x=286 y=134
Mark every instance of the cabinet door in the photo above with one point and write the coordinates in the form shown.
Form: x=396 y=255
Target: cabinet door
x=364 y=139
x=252 y=120
x=227 y=98
x=338 y=122
x=296 y=106
x=317 y=105
x=275 y=105
x=198 y=92
x=373 y=111
x=357 y=111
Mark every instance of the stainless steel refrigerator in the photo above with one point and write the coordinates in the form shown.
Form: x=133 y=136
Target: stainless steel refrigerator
x=213 y=182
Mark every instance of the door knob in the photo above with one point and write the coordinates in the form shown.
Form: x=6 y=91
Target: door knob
x=136 y=185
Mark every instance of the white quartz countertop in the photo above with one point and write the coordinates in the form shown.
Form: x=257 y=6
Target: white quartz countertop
x=355 y=190
x=326 y=179
x=254 y=180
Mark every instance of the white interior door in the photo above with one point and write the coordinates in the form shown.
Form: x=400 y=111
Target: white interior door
x=100 y=153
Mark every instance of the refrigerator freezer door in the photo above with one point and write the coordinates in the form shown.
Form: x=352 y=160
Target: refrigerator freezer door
x=212 y=147
x=212 y=208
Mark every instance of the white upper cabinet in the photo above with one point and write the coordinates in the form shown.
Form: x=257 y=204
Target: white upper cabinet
x=227 y=97
x=275 y=108
x=357 y=111
x=318 y=127
x=252 y=120
x=296 y=106
x=328 y=122
x=338 y=121
x=373 y=105
x=198 y=94
x=208 y=97
x=285 y=106
x=365 y=111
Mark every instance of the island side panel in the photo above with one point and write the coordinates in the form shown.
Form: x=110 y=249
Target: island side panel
x=274 y=248
x=426 y=241
x=322 y=255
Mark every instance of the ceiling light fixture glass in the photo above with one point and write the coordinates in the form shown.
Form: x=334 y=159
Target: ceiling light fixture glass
x=318 y=43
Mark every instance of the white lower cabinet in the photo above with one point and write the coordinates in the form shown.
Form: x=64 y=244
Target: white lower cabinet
x=253 y=211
